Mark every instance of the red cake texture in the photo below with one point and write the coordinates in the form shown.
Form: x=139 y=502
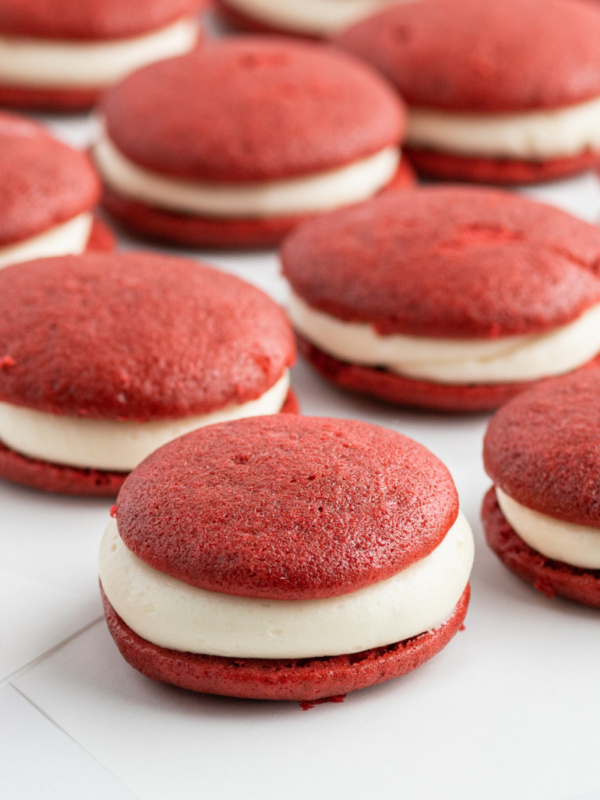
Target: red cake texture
x=286 y=508
x=136 y=336
x=90 y=20
x=60 y=479
x=44 y=182
x=448 y=263
x=102 y=239
x=552 y=578
x=516 y=56
x=162 y=225
x=307 y=679
x=501 y=171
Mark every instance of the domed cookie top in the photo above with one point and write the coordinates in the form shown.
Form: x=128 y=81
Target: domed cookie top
x=287 y=509
x=515 y=55
x=89 y=19
x=135 y=336
x=447 y=262
x=252 y=109
x=44 y=182
x=543 y=447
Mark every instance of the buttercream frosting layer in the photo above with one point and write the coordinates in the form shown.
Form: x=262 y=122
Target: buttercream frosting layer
x=531 y=135
x=114 y=445
x=316 y=17
x=178 y=616
x=74 y=65
x=68 y=238
x=577 y=545
x=453 y=361
x=302 y=195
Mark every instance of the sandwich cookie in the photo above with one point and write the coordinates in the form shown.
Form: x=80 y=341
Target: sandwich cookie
x=449 y=298
x=542 y=517
x=522 y=102
x=311 y=18
x=61 y=54
x=233 y=145
x=48 y=194
x=104 y=358
x=286 y=558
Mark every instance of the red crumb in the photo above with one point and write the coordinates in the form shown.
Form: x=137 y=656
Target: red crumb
x=7 y=361
x=545 y=588
x=113 y=511
x=305 y=705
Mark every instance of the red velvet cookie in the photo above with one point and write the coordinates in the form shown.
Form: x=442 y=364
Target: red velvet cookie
x=487 y=293
x=541 y=452
x=97 y=342
x=479 y=77
x=234 y=144
x=288 y=509
x=49 y=190
x=52 y=53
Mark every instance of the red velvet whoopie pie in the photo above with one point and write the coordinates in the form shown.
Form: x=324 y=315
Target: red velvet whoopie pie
x=505 y=93
x=49 y=191
x=285 y=558
x=103 y=358
x=448 y=298
x=235 y=144
x=542 y=516
x=60 y=55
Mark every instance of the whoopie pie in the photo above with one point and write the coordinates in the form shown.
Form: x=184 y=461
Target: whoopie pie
x=285 y=558
x=450 y=298
x=61 y=54
x=498 y=92
x=47 y=196
x=235 y=144
x=103 y=358
x=542 y=516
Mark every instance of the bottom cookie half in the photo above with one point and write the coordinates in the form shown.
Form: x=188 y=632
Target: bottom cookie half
x=273 y=679
x=548 y=576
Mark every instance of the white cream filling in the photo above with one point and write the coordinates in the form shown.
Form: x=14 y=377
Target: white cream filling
x=174 y=615
x=68 y=238
x=502 y=360
x=65 y=64
x=316 y=17
x=577 y=545
x=532 y=135
x=311 y=193
x=109 y=444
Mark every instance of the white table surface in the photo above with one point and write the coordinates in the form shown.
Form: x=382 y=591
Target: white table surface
x=509 y=709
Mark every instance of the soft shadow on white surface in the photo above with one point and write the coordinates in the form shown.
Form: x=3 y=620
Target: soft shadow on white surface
x=481 y=704
x=45 y=764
